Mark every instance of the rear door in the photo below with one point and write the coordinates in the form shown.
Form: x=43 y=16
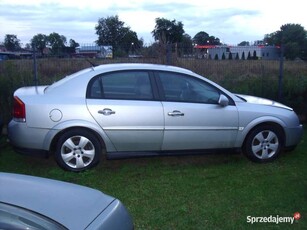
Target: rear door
x=123 y=104
x=193 y=117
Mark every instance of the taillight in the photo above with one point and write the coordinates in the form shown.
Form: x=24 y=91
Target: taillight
x=19 y=110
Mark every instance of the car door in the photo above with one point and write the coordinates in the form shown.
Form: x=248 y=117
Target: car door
x=193 y=117
x=123 y=104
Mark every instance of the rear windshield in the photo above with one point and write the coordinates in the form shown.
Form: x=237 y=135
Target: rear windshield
x=67 y=78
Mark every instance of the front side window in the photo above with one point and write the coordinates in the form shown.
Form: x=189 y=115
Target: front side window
x=183 y=88
x=127 y=85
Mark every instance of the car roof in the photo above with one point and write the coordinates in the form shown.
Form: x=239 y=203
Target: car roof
x=71 y=205
x=145 y=66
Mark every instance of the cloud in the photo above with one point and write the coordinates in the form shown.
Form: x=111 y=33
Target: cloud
x=231 y=21
x=47 y=18
x=46 y=12
x=163 y=8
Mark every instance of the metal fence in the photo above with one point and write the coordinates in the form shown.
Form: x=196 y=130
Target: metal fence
x=275 y=78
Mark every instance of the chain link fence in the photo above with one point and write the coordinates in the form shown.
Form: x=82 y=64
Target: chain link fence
x=247 y=70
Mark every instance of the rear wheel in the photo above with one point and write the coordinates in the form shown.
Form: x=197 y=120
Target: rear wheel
x=77 y=150
x=264 y=143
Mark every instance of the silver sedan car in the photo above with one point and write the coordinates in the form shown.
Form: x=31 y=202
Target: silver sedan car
x=145 y=109
x=28 y=202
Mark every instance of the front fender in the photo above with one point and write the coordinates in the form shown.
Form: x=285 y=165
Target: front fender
x=244 y=130
x=60 y=127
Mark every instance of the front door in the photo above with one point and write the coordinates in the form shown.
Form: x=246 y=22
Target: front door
x=193 y=117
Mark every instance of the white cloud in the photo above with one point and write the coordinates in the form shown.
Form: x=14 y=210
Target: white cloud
x=231 y=21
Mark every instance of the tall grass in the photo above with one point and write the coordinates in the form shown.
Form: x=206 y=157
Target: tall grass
x=256 y=77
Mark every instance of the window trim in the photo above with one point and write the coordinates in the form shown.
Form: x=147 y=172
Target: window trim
x=156 y=86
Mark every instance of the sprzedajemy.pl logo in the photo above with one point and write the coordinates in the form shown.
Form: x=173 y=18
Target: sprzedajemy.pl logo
x=273 y=219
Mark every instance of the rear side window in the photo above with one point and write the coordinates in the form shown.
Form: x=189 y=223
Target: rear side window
x=126 y=85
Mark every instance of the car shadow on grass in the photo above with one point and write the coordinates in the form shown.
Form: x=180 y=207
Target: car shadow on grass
x=33 y=162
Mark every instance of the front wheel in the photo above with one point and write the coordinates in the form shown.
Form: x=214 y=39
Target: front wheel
x=264 y=143
x=77 y=150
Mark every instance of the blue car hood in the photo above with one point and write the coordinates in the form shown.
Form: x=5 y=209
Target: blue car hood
x=71 y=205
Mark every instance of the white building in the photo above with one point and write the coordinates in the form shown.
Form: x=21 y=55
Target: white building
x=237 y=52
x=94 y=51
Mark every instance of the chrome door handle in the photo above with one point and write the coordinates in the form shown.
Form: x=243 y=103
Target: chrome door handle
x=175 y=113
x=106 y=112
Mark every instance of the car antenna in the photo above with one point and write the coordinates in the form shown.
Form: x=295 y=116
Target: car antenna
x=92 y=64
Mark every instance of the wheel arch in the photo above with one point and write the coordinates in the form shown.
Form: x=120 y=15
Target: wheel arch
x=266 y=123
x=55 y=133
x=247 y=126
x=59 y=134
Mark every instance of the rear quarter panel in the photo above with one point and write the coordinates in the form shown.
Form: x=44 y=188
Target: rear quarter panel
x=69 y=102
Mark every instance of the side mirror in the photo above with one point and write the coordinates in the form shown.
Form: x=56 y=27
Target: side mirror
x=223 y=100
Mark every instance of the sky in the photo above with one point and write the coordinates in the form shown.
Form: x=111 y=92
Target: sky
x=232 y=21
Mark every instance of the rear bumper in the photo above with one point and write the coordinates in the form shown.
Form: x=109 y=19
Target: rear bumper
x=27 y=140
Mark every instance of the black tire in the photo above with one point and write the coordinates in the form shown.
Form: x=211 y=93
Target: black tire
x=264 y=143
x=77 y=150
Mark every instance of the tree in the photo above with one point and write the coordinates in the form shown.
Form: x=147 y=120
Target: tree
x=186 y=44
x=255 y=55
x=39 y=42
x=57 y=42
x=203 y=38
x=130 y=42
x=214 y=41
x=243 y=43
x=68 y=50
x=28 y=46
x=168 y=32
x=112 y=31
x=243 y=56
x=292 y=37
x=249 y=57
x=11 y=42
x=73 y=43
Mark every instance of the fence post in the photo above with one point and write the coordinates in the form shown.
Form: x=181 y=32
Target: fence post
x=35 y=65
x=168 y=53
x=281 y=74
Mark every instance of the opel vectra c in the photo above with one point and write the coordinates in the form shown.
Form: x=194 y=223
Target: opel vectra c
x=145 y=109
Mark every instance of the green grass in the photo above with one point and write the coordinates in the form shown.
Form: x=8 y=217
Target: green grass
x=190 y=192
